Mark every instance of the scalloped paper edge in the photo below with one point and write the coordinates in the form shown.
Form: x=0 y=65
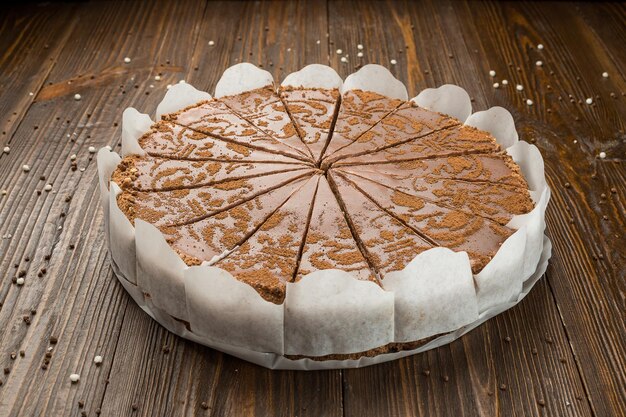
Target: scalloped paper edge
x=163 y=293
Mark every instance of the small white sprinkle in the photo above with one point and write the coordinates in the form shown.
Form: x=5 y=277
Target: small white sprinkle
x=359 y=47
x=60 y=228
x=157 y=78
x=92 y=149
x=108 y=147
x=97 y=359
x=589 y=100
x=318 y=42
x=31 y=94
x=344 y=59
x=492 y=73
x=68 y=135
x=151 y=85
x=575 y=141
x=540 y=46
x=602 y=155
x=529 y=102
x=82 y=169
x=74 y=377
x=539 y=63
x=25 y=168
x=169 y=86
x=47 y=187
x=19 y=281
x=181 y=82
x=359 y=54
x=605 y=74
x=339 y=52
x=505 y=82
x=127 y=60
x=77 y=97
x=6 y=149
x=211 y=43
x=393 y=62
x=288 y=49
x=496 y=85
x=73 y=157
x=519 y=87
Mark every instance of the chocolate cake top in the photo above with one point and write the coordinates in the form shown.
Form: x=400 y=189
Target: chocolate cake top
x=274 y=185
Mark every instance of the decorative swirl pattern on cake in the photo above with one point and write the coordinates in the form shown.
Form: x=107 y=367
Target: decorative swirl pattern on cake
x=271 y=185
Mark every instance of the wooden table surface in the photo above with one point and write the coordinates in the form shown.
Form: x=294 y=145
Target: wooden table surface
x=560 y=352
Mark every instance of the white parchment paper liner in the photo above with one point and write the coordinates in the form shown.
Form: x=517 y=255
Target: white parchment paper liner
x=328 y=312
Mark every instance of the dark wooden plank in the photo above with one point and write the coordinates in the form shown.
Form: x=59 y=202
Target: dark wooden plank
x=77 y=301
x=180 y=381
x=28 y=56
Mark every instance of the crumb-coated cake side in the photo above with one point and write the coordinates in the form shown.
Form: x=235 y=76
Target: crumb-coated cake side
x=272 y=185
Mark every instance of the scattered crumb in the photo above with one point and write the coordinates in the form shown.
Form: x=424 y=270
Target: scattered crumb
x=539 y=63
x=529 y=102
x=519 y=87
x=181 y=82
x=359 y=47
x=73 y=157
x=540 y=46
x=339 y=51
x=359 y=54
x=393 y=62
x=6 y=149
x=25 y=168
x=77 y=97
x=47 y=187
x=211 y=43
x=344 y=59
x=92 y=149
x=602 y=155
x=492 y=73
x=318 y=42
x=127 y=60
x=74 y=378
x=589 y=101
x=97 y=360
x=505 y=82
x=19 y=281
x=157 y=78
x=496 y=85
x=605 y=74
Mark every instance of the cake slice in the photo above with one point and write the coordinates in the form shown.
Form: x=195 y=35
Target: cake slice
x=264 y=109
x=170 y=140
x=407 y=122
x=498 y=202
x=388 y=244
x=313 y=111
x=214 y=118
x=454 y=141
x=442 y=226
x=166 y=208
x=148 y=173
x=269 y=258
x=359 y=111
x=329 y=243
x=497 y=168
x=210 y=238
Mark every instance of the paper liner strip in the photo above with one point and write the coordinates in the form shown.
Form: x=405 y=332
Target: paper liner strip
x=159 y=283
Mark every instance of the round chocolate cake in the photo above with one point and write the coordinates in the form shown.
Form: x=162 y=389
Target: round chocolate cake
x=274 y=184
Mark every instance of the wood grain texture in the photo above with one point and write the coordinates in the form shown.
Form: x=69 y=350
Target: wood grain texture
x=558 y=353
